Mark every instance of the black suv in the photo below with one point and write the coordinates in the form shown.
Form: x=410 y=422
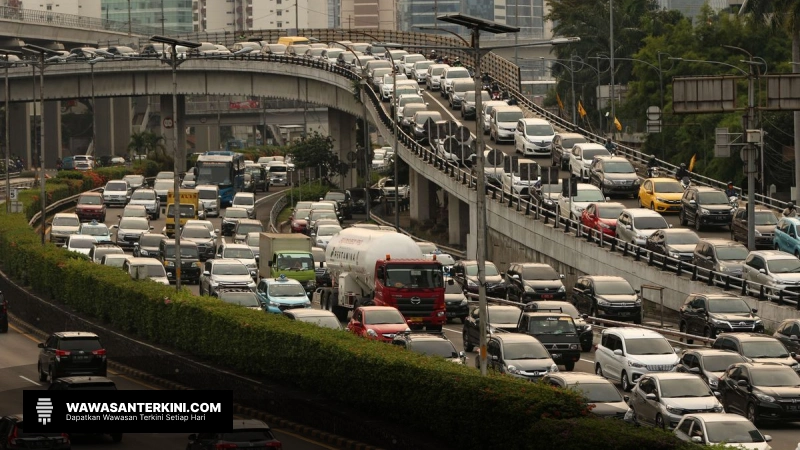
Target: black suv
x=710 y=314
x=69 y=353
x=765 y=226
x=190 y=256
x=83 y=383
x=245 y=433
x=431 y=344
x=557 y=332
x=344 y=200
x=702 y=205
x=465 y=273
x=12 y=430
x=760 y=392
x=585 y=333
x=3 y=313
x=614 y=175
x=607 y=297
x=534 y=281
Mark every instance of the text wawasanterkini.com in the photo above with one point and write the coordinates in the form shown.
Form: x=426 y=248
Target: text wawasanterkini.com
x=141 y=411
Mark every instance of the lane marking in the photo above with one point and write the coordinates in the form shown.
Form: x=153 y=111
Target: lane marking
x=134 y=380
x=28 y=379
x=18 y=330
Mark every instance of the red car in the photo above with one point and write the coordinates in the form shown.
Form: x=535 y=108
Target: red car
x=602 y=217
x=299 y=225
x=91 y=207
x=381 y=323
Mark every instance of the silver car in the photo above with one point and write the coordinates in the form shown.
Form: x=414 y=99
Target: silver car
x=149 y=199
x=63 y=226
x=130 y=230
x=661 y=399
x=636 y=225
x=224 y=273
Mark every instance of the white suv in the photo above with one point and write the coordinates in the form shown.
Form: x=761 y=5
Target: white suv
x=625 y=354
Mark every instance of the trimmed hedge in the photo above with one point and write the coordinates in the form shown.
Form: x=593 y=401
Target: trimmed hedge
x=451 y=402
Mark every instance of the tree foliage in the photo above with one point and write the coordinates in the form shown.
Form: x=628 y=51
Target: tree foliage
x=316 y=152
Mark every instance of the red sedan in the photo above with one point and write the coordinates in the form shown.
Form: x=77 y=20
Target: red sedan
x=602 y=217
x=380 y=323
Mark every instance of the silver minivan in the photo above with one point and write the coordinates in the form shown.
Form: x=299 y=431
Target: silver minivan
x=504 y=123
x=209 y=199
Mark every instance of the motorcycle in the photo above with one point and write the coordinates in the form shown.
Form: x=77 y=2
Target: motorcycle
x=652 y=172
x=685 y=182
x=734 y=201
x=496 y=95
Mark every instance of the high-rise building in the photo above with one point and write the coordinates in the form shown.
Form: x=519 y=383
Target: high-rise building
x=528 y=15
x=85 y=8
x=168 y=15
x=355 y=14
x=692 y=8
x=243 y=15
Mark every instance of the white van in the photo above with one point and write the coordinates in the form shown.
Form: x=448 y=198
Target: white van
x=209 y=202
x=504 y=123
x=140 y=268
x=533 y=137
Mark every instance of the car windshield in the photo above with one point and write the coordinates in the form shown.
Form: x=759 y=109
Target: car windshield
x=732 y=253
x=551 y=325
x=684 y=388
x=186 y=210
x=297 y=261
x=781 y=376
x=151 y=240
x=568 y=143
x=511 y=116
x=421 y=118
x=539 y=273
x=114 y=261
x=240 y=298
x=524 y=350
x=618 y=167
x=89 y=200
x=440 y=347
x=649 y=346
x=116 y=186
x=322 y=321
x=143 y=195
x=286 y=290
x=712 y=198
x=81 y=243
x=230 y=269
x=134 y=223
x=85 y=344
x=597 y=392
x=163 y=185
x=238 y=253
x=609 y=212
x=470 y=96
x=333 y=53
x=551 y=188
x=668 y=187
x=196 y=232
x=235 y=214
x=766 y=218
x=589 y=154
x=650 y=223
x=588 y=195
x=95 y=230
x=207 y=194
x=490 y=271
x=682 y=238
x=189 y=252
x=783 y=265
x=458 y=74
x=738 y=432
x=148 y=271
x=244 y=200
x=764 y=349
x=720 y=363
x=504 y=315
x=245 y=228
x=66 y=222
x=328 y=230
x=388 y=80
x=383 y=317
x=728 y=305
x=613 y=287
x=413 y=276
x=539 y=130
x=134 y=180
x=437 y=71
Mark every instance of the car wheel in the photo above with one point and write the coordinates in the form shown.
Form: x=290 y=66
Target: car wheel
x=626 y=383
x=752 y=413
x=468 y=346
x=652 y=206
x=709 y=333
x=569 y=366
x=586 y=347
x=698 y=224
x=598 y=370
x=682 y=329
x=50 y=376
x=660 y=422
x=682 y=217
x=42 y=375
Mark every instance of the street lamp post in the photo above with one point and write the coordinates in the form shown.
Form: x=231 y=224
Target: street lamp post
x=611 y=48
x=92 y=62
x=7 y=94
x=179 y=158
x=571 y=79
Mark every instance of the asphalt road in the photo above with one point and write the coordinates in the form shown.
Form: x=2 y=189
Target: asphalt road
x=18 y=352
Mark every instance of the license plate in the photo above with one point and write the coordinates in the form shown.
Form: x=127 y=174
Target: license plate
x=81 y=358
x=556 y=355
x=547 y=295
x=793 y=407
x=625 y=313
x=415 y=319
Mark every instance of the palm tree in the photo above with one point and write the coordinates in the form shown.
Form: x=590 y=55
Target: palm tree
x=783 y=14
x=145 y=142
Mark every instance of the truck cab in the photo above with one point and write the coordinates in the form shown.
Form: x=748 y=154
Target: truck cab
x=556 y=332
x=189 y=202
x=190 y=257
x=289 y=255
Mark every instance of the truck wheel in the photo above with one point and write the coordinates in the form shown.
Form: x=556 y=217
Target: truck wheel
x=340 y=313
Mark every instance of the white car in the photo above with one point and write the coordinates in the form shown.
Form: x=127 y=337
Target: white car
x=407 y=62
x=581 y=158
x=718 y=429
x=130 y=230
x=116 y=193
x=503 y=122
x=209 y=199
x=420 y=70
x=241 y=253
x=434 y=76
x=63 y=226
x=246 y=200
x=324 y=234
x=624 y=354
x=146 y=269
x=488 y=107
x=387 y=85
x=80 y=243
x=660 y=399
x=636 y=225
x=205 y=224
x=149 y=199
x=581 y=198
x=450 y=75
x=775 y=269
x=533 y=137
x=225 y=273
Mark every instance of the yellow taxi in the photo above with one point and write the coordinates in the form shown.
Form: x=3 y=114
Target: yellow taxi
x=661 y=194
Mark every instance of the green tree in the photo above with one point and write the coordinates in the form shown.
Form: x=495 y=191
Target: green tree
x=316 y=152
x=147 y=142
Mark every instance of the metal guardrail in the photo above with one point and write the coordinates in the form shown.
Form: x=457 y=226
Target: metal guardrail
x=459 y=254
x=275 y=211
x=75 y=21
x=56 y=206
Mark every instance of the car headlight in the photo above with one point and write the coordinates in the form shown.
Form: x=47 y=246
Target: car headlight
x=528 y=288
x=512 y=369
x=548 y=202
x=713 y=382
x=672 y=410
x=674 y=255
x=562 y=289
x=601 y=302
x=636 y=181
x=718 y=322
x=464 y=302
x=636 y=364
x=573 y=346
x=638 y=301
x=719 y=409
x=554 y=368
x=659 y=199
x=169 y=263
x=704 y=211
x=144 y=252
x=758 y=233
x=587 y=329
x=471 y=283
x=214 y=283
x=795 y=366
x=372 y=333
x=765 y=398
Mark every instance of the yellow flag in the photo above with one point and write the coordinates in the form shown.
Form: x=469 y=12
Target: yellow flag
x=581 y=111
x=560 y=103
x=617 y=124
x=691 y=163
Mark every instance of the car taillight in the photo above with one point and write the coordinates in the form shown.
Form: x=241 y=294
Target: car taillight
x=13 y=438
x=275 y=444
x=101 y=352
x=222 y=446
x=65 y=436
x=60 y=353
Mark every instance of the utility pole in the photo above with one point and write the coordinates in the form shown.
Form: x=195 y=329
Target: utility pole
x=611 y=34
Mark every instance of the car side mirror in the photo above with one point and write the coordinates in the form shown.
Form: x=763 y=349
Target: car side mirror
x=41 y=345
x=697 y=439
x=762 y=271
x=494 y=358
x=694 y=370
x=206 y=273
x=718 y=394
x=216 y=230
x=742 y=383
x=585 y=316
x=626 y=398
x=450 y=282
x=618 y=352
x=114 y=227
x=794 y=337
x=514 y=277
x=192 y=437
x=754 y=310
x=462 y=355
x=653 y=397
x=152 y=228
x=561 y=276
x=768 y=438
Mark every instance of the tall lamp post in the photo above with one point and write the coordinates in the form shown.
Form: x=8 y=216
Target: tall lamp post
x=611 y=49
x=7 y=94
x=179 y=158
x=92 y=62
x=571 y=79
x=44 y=54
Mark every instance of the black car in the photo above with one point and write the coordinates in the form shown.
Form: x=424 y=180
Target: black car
x=231 y=218
x=557 y=332
x=677 y=243
x=247 y=433
x=534 y=281
x=501 y=317
x=614 y=175
x=465 y=273
x=83 y=383
x=702 y=205
x=585 y=333
x=761 y=392
x=708 y=363
x=789 y=334
x=758 y=348
x=190 y=256
x=344 y=200
x=258 y=178
x=70 y=353
x=202 y=238
x=431 y=344
x=3 y=313
x=607 y=297
x=710 y=314
x=148 y=245
x=546 y=195
x=359 y=197
x=240 y=296
x=13 y=436
x=766 y=220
